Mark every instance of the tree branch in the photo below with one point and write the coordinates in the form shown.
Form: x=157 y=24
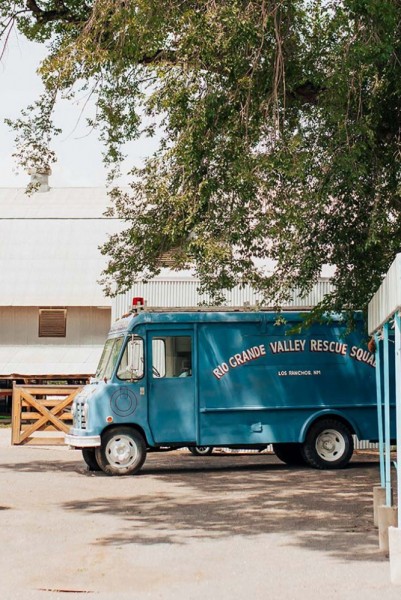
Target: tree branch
x=158 y=57
x=61 y=13
x=7 y=26
x=308 y=92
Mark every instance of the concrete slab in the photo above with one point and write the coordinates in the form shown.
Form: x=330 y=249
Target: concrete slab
x=387 y=517
x=394 y=534
x=379 y=499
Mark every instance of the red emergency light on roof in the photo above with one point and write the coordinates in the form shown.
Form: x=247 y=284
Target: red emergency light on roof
x=138 y=301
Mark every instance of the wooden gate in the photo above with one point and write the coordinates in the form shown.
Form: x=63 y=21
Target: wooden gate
x=39 y=412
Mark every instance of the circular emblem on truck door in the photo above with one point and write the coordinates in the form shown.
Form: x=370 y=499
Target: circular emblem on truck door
x=123 y=402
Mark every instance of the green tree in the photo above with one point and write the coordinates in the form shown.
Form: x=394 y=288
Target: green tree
x=281 y=132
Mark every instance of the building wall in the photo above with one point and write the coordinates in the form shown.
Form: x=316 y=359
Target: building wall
x=85 y=326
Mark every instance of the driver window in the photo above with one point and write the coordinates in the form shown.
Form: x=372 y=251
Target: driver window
x=172 y=356
x=131 y=364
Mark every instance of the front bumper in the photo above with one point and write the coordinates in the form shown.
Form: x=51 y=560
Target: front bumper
x=82 y=441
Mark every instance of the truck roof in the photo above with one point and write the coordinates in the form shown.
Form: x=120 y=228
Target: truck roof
x=202 y=314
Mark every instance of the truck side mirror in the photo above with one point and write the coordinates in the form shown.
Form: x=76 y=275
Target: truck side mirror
x=135 y=357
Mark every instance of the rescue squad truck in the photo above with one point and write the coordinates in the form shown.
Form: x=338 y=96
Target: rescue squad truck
x=203 y=378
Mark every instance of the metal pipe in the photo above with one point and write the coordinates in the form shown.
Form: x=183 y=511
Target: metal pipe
x=397 y=321
x=379 y=398
x=386 y=366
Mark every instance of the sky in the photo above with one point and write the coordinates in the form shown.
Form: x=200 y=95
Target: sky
x=78 y=150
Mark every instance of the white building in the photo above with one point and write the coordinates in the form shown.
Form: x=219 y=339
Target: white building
x=53 y=313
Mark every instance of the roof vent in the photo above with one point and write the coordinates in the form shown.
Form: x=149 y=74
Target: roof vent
x=52 y=322
x=40 y=178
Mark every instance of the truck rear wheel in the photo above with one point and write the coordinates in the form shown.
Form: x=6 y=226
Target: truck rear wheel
x=201 y=450
x=291 y=454
x=88 y=454
x=123 y=451
x=328 y=445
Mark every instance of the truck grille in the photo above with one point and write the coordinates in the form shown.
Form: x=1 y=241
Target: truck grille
x=79 y=417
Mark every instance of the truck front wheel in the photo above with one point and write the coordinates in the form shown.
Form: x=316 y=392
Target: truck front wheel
x=89 y=456
x=123 y=451
x=328 y=445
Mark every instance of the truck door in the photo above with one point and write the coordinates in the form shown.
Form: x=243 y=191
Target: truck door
x=171 y=386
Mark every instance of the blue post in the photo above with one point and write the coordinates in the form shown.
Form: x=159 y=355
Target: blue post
x=386 y=366
x=397 y=322
x=379 y=398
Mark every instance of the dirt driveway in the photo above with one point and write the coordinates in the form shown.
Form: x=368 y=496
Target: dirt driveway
x=227 y=527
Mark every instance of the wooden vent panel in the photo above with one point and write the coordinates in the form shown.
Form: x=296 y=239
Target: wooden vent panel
x=52 y=322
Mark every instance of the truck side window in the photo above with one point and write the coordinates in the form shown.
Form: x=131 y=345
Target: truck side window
x=172 y=356
x=131 y=364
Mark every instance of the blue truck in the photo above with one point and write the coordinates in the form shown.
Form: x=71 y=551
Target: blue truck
x=205 y=378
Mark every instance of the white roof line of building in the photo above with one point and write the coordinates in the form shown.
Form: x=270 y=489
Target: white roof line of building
x=387 y=300
x=49 y=246
x=44 y=360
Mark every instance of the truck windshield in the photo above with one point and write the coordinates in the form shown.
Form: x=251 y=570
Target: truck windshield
x=109 y=357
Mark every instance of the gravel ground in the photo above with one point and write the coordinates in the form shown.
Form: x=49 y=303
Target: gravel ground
x=229 y=526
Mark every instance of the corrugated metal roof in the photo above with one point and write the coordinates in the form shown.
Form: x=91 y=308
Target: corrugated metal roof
x=182 y=291
x=61 y=203
x=387 y=300
x=49 y=247
x=24 y=361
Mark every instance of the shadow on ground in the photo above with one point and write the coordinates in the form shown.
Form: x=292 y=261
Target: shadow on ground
x=322 y=510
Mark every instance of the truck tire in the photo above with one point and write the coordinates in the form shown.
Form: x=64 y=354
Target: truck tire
x=88 y=454
x=328 y=445
x=201 y=450
x=123 y=451
x=291 y=454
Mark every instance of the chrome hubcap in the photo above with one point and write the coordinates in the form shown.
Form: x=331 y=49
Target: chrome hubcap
x=121 y=451
x=330 y=445
x=203 y=449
